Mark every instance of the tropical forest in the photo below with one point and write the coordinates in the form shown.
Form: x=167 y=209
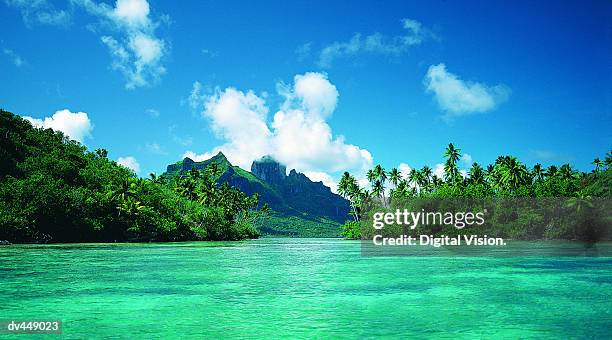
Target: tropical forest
x=507 y=184
x=52 y=189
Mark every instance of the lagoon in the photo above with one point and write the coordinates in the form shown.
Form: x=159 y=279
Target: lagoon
x=306 y=288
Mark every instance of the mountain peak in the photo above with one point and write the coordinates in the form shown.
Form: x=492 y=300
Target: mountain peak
x=219 y=157
x=269 y=170
x=266 y=159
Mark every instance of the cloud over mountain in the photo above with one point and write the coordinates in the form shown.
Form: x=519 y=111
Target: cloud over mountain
x=297 y=136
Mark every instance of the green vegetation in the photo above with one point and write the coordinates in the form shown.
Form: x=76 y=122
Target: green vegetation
x=282 y=225
x=53 y=190
x=505 y=180
x=299 y=207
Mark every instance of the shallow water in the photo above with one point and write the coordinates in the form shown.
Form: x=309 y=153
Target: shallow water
x=310 y=288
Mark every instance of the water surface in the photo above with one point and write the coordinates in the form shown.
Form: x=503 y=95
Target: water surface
x=310 y=288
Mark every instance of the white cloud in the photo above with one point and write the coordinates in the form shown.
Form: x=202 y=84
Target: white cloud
x=200 y=157
x=196 y=98
x=135 y=50
x=14 y=57
x=467 y=159
x=311 y=93
x=376 y=43
x=129 y=162
x=298 y=136
x=75 y=125
x=132 y=12
x=328 y=181
x=458 y=97
x=439 y=170
x=39 y=12
x=404 y=170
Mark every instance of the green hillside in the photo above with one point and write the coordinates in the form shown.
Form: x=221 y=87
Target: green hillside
x=300 y=207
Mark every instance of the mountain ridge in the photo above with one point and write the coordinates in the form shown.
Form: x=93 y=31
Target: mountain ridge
x=294 y=198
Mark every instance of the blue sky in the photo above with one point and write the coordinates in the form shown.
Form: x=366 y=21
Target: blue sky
x=356 y=83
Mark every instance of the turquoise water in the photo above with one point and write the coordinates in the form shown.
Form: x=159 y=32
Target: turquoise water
x=309 y=288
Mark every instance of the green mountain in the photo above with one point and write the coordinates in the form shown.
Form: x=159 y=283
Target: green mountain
x=300 y=207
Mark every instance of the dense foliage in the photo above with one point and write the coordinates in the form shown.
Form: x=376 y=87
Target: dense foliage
x=53 y=190
x=299 y=207
x=507 y=178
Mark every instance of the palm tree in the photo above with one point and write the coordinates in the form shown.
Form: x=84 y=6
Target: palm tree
x=427 y=173
x=380 y=173
x=513 y=173
x=378 y=189
x=490 y=175
x=130 y=206
x=349 y=189
x=395 y=176
x=401 y=188
x=551 y=171
x=381 y=176
x=538 y=172
x=451 y=171
x=420 y=179
x=426 y=177
x=452 y=153
x=436 y=181
x=371 y=176
x=413 y=177
x=566 y=171
x=476 y=174
x=608 y=160
x=343 y=185
x=598 y=164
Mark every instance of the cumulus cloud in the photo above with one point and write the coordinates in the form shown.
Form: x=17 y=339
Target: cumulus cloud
x=311 y=93
x=14 y=57
x=129 y=162
x=75 y=125
x=135 y=50
x=439 y=170
x=39 y=12
x=404 y=170
x=376 y=43
x=457 y=97
x=298 y=135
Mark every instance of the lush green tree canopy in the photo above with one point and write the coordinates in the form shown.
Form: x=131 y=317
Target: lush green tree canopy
x=53 y=190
